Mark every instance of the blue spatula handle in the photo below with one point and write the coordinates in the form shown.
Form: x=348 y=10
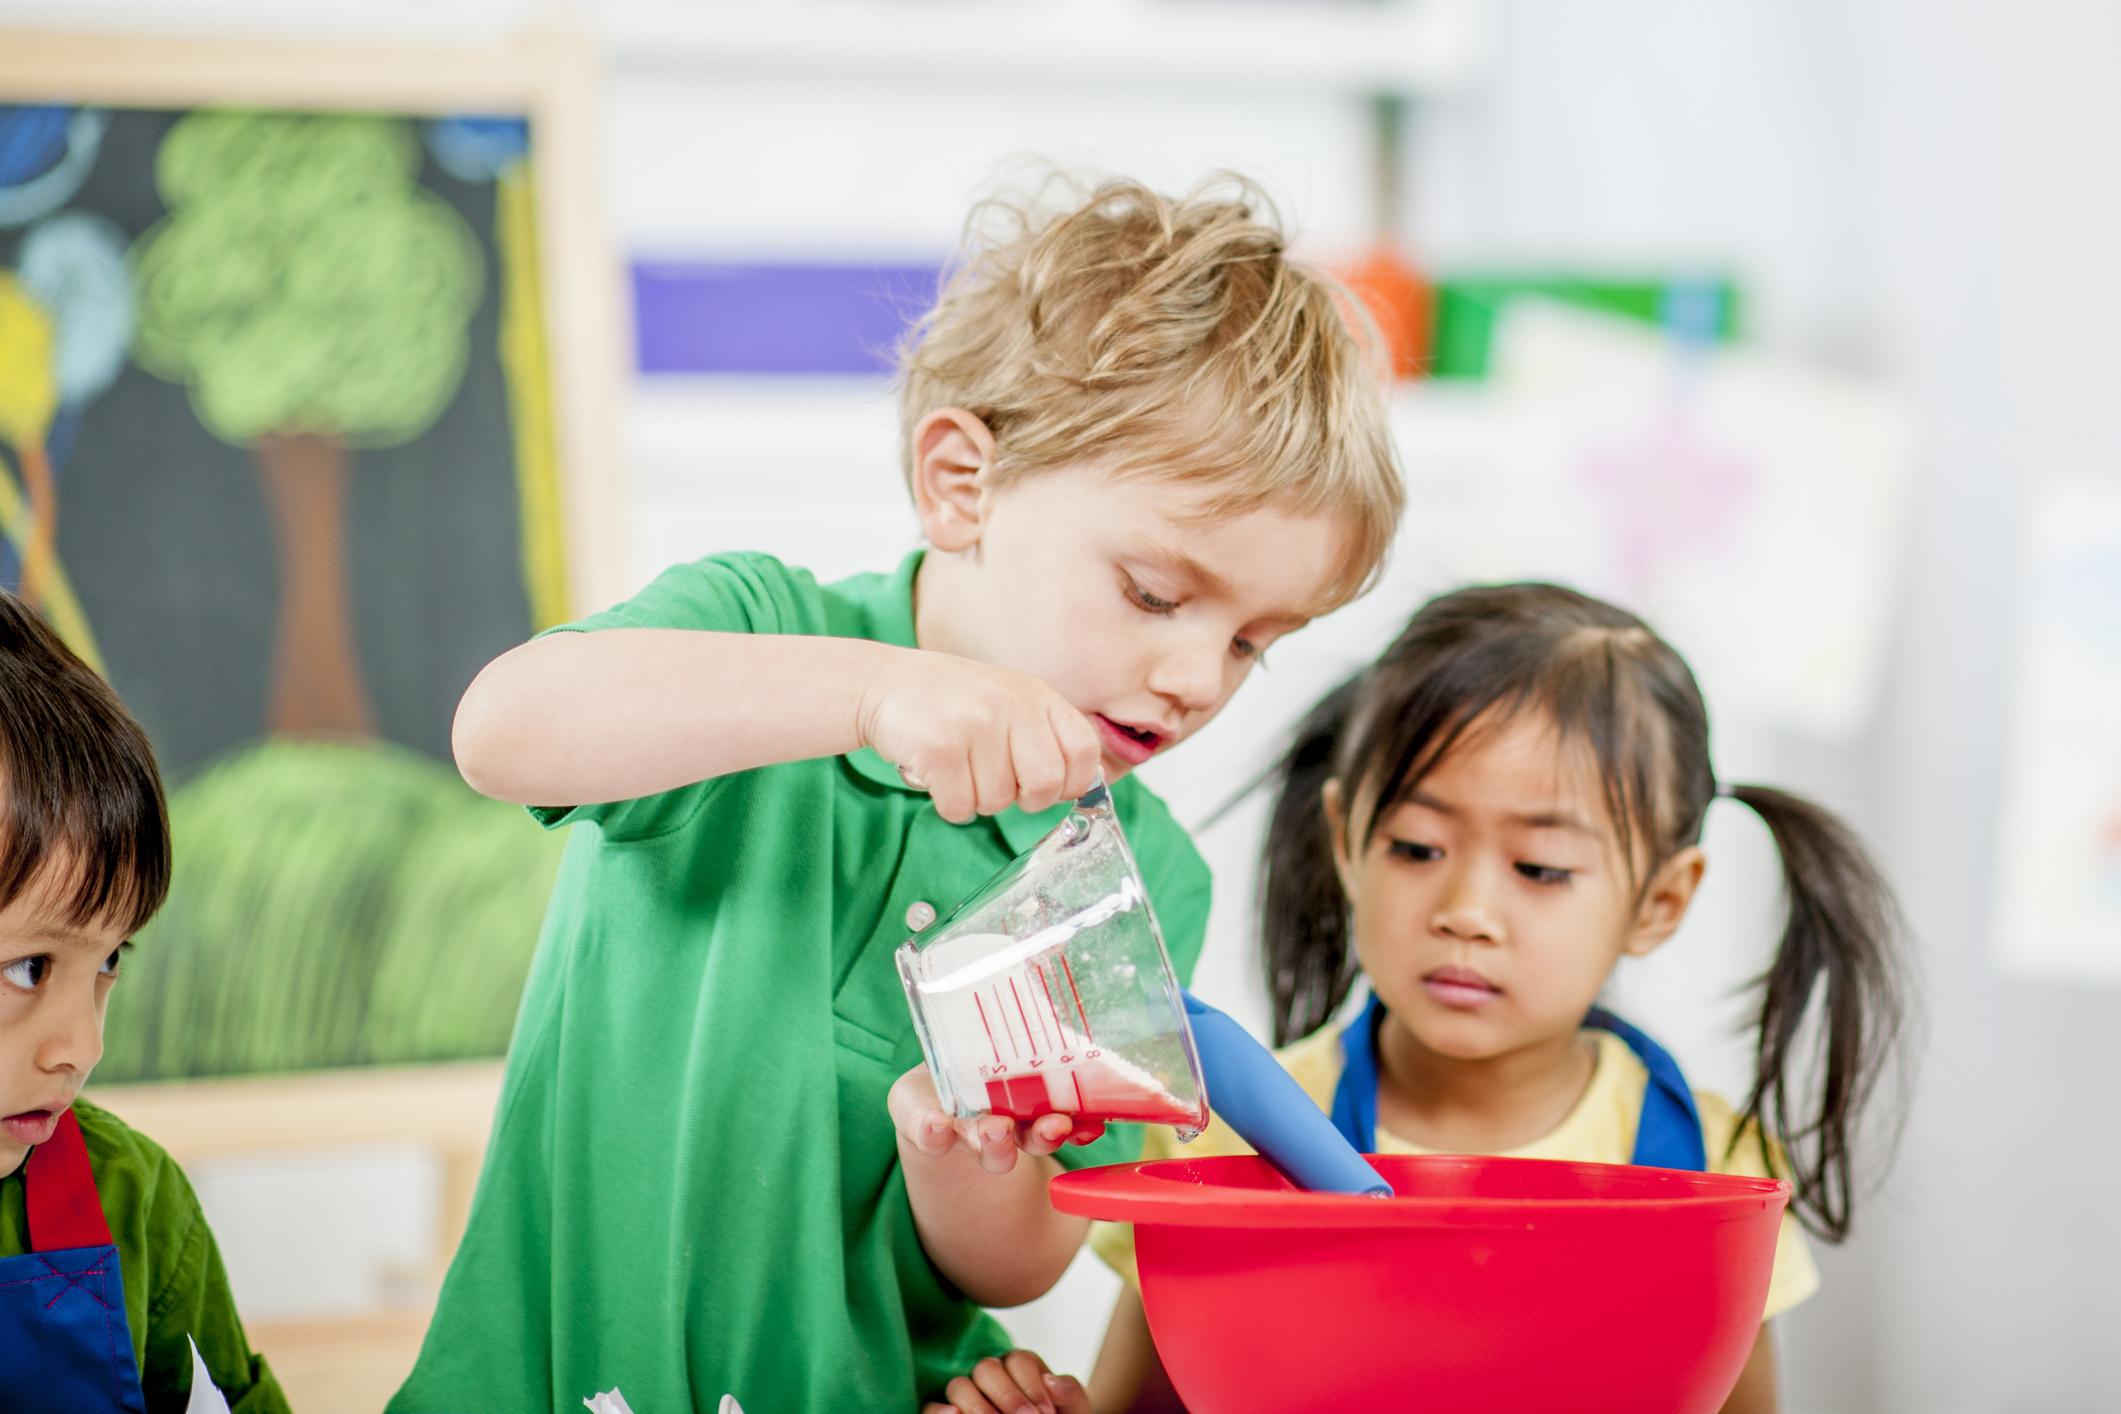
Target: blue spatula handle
x=1271 y=1112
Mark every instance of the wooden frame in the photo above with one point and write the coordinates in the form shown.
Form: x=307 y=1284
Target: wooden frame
x=551 y=78
x=554 y=80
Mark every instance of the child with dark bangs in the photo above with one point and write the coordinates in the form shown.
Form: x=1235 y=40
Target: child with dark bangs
x=112 y=1294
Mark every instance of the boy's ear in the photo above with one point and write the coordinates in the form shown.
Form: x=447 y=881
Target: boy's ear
x=1336 y=803
x=951 y=448
x=1665 y=902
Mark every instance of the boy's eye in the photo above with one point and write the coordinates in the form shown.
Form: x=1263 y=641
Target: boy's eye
x=1148 y=602
x=28 y=973
x=1244 y=648
x=1545 y=873
x=110 y=964
x=1420 y=853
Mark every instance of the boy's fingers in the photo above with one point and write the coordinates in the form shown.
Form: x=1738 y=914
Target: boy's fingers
x=1080 y=748
x=1002 y=1389
x=993 y=776
x=1067 y=1394
x=991 y=1139
x=951 y=787
x=1030 y=1374
x=1041 y=769
x=997 y=1150
x=966 y=1398
x=1045 y=1134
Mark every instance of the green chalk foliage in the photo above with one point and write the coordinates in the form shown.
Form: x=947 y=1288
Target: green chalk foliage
x=334 y=903
x=303 y=281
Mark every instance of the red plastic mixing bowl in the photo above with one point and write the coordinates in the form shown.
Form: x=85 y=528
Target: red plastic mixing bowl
x=1497 y=1285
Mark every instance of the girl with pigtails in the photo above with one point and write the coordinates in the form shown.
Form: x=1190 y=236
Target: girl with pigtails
x=1481 y=825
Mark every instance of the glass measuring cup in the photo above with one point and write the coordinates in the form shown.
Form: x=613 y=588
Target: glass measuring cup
x=1049 y=990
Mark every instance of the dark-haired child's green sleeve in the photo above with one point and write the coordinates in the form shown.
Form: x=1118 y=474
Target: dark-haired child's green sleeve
x=193 y=1300
x=175 y=1285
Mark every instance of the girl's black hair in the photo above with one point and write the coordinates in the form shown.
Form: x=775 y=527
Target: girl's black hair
x=1483 y=654
x=78 y=786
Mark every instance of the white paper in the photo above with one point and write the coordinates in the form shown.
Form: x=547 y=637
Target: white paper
x=612 y=1402
x=2058 y=881
x=206 y=1397
x=1751 y=507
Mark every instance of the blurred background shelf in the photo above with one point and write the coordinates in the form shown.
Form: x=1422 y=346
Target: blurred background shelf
x=1403 y=46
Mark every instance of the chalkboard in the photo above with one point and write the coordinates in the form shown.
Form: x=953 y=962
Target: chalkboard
x=278 y=456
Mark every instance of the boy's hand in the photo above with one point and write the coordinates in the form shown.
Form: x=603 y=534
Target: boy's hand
x=995 y=1140
x=1018 y=1383
x=977 y=738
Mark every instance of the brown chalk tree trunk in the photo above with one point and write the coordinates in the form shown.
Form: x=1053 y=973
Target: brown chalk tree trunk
x=316 y=672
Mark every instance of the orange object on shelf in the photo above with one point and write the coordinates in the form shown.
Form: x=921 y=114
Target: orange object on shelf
x=1402 y=303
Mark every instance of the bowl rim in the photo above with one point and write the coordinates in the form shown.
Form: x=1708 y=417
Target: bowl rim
x=1177 y=1193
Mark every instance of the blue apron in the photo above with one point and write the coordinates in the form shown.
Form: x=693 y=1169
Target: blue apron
x=1667 y=1137
x=62 y=1304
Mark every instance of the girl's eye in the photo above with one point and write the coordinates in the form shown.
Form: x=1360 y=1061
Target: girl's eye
x=1244 y=648
x=1420 y=853
x=28 y=973
x=1545 y=873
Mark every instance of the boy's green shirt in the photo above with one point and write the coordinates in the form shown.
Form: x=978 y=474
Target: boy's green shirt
x=174 y=1284
x=693 y=1188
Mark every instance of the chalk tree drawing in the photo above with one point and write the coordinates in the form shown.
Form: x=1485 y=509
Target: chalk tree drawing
x=314 y=299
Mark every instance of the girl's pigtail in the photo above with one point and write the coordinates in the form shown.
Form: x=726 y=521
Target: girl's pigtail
x=1842 y=935
x=1303 y=913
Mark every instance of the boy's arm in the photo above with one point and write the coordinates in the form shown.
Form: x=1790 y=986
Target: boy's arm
x=978 y=1191
x=1755 y=1392
x=621 y=713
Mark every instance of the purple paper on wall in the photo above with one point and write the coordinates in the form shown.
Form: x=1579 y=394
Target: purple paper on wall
x=703 y=317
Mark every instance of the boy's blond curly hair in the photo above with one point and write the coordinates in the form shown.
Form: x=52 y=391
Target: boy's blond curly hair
x=1168 y=337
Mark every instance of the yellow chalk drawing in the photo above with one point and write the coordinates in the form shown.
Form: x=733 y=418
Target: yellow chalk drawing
x=60 y=604
x=525 y=363
x=29 y=398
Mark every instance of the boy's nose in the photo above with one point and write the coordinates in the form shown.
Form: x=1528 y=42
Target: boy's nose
x=1192 y=681
x=75 y=1041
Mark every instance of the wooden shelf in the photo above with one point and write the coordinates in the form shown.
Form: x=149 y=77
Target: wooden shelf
x=1335 y=46
x=446 y=1107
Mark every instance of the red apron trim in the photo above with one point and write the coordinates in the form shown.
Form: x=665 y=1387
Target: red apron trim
x=64 y=1209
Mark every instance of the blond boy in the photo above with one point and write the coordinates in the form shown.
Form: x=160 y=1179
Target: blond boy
x=1142 y=446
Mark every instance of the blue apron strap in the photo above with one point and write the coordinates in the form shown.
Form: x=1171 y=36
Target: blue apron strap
x=1669 y=1134
x=1355 y=1097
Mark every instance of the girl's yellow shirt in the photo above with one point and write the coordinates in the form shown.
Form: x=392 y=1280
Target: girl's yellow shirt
x=1599 y=1130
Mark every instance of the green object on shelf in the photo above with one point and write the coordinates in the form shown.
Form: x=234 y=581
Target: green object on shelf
x=334 y=903
x=1466 y=309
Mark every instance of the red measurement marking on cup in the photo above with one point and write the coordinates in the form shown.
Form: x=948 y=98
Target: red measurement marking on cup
x=989 y=1026
x=1080 y=1010
x=1021 y=1016
x=1045 y=985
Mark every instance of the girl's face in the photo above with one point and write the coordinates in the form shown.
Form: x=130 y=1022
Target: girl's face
x=1491 y=905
